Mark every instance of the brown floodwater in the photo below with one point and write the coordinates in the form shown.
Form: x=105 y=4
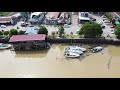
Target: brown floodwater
x=52 y=64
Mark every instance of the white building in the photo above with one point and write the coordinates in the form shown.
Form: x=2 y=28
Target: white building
x=83 y=17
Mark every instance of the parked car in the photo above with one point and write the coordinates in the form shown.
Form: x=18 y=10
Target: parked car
x=112 y=26
x=107 y=21
x=23 y=24
x=3 y=26
x=103 y=16
x=112 y=31
x=66 y=26
x=103 y=26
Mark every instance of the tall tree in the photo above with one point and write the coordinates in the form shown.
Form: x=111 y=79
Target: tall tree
x=61 y=31
x=91 y=30
x=13 y=32
x=117 y=31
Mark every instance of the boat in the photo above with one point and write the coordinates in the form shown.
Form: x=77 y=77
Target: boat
x=71 y=55
x=75 y=51
x=76 y=48
x=4 y=46
x=97 y=49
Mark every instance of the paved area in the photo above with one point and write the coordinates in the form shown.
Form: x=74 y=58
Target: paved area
x=73 y=28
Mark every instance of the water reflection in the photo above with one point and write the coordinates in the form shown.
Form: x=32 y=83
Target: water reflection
x=31 y=54
x=114 y=50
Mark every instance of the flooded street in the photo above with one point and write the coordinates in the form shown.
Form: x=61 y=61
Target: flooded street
x=53 y=64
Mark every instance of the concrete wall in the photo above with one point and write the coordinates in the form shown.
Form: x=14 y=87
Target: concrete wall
x=86 y=41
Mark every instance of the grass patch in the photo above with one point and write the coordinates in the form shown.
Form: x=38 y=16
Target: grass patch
x=4 y=13
x=51 y=36
x=72 y=36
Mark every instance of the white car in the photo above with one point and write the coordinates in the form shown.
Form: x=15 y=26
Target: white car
x=3 y=26
x=103 y=16
x=66 y=26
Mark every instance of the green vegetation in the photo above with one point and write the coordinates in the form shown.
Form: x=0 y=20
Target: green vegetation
x=72 y=36
x=13 y=32
x=43 y=30
x=21 y=32
x=117 y=31
x=4 y=13
x=6 y=33
x=91 y=30
x=1 y=33
x=53 y=34
x=61 y=31
x=109 y=16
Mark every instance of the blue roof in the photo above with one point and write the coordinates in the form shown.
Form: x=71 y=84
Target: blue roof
x=31 y=31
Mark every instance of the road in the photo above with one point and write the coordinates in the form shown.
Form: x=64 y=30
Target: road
x=107 y=29
x=73 y=28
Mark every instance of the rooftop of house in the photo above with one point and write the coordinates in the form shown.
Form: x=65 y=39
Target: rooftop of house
x=30 y=37
x=53 y=15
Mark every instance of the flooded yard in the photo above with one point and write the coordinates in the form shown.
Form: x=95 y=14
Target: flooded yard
x=52 y=64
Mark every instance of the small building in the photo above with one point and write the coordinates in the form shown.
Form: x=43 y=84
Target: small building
x=83 y=17
x=52 y=18
x=64 y=18
x=6 y=20
x=12 y=19
x=37 y=17
x=28 y=42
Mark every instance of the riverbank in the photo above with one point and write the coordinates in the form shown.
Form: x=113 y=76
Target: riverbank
x=80 y=40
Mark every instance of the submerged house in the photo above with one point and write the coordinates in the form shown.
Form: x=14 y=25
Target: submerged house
x=28 y=42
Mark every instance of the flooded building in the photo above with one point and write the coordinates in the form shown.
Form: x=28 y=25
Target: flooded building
x=28 y=42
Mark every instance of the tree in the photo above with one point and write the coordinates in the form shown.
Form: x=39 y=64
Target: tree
x=109 y=16
x=91 y=30
x=1 y=33
x=42 y=30
x=21 y=32
x=71 y=33
x=61 y=31
x=6 y=33
x=13 y=32
x=117 y=31
x=53 y=34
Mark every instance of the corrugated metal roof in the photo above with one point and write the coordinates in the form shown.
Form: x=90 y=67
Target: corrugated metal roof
x=53 y=15
x=32 y=37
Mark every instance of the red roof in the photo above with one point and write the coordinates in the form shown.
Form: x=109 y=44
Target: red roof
x=54 y=14
x=16 y=38
x=115 y=14
x=5 y=19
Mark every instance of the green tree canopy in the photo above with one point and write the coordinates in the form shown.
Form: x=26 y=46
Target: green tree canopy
x=117 y=30
x=61 y=31
x=42 y=30
x=91 y=30
x=13 y=32
x=6 y=32
x=1 y=33
x=21 y=32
